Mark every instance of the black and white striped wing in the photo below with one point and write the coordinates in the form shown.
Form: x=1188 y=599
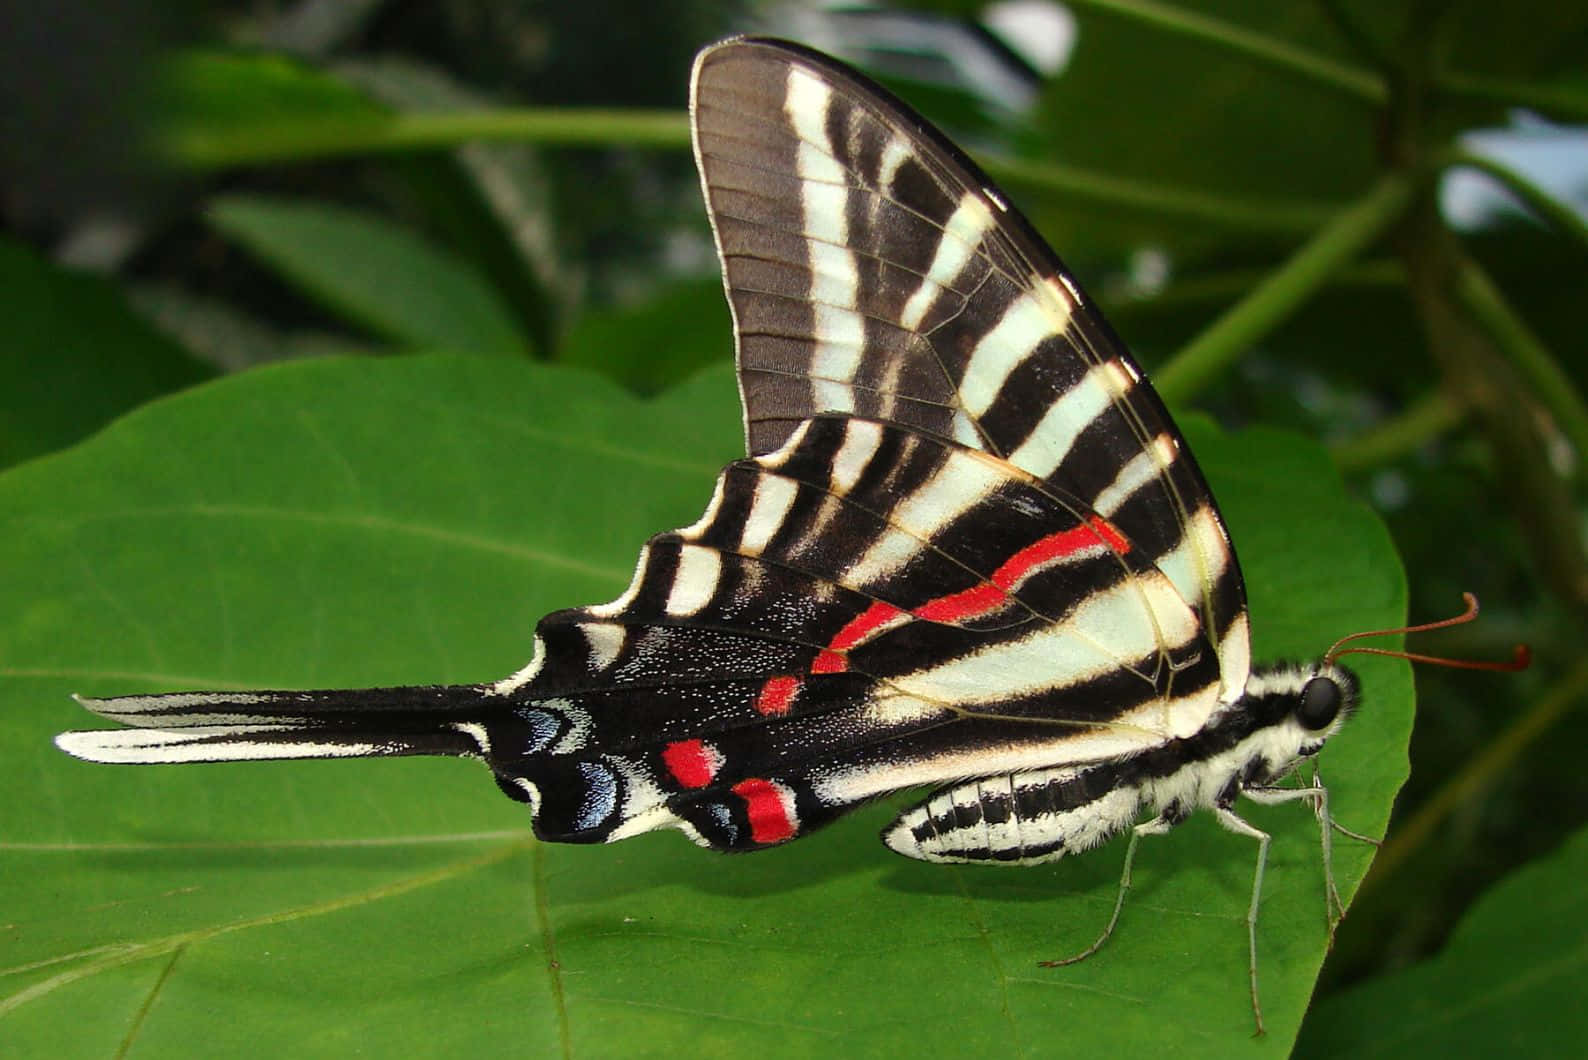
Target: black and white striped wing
x=873 y=270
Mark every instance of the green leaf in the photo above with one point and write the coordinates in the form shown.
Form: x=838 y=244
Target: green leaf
x=492 y=201
x=73 y=356
x=1508 y=983
x=373 y=272
x=646 y=347
x=336 y=523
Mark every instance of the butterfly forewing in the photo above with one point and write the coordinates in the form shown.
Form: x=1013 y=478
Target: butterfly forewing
x=873 y=270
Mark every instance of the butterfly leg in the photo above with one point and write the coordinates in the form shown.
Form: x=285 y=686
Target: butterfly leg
x=1318 y=795
x=1157 y=826
x=1237 y=824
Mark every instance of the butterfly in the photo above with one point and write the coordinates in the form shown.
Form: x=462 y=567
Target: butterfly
x=968 y=549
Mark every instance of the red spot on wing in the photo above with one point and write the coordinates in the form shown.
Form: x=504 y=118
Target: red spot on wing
x=828 y=661
x=769 y=807
x=693 y=763
x=777 y=695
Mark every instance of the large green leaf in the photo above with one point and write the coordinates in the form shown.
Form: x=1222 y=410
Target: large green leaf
x=369 y=522
x=1508 y=983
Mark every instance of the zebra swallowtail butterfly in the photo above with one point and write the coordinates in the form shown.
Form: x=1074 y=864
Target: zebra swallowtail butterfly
x=968 y=550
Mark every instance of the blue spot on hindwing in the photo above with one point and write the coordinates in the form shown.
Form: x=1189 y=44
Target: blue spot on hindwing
x=600 y=800
x=544 y=728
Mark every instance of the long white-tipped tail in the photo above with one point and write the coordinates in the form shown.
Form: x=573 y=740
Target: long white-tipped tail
x=244 y=726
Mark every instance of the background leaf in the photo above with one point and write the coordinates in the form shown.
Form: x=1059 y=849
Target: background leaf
x=664 y=339
x=373 y=271
x=1508 y=982
x=343 y=522
x=72 y=336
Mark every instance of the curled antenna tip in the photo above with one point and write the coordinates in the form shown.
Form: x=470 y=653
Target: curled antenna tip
x=1520 y=660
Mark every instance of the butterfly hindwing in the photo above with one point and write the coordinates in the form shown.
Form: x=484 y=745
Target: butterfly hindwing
x=828 y=635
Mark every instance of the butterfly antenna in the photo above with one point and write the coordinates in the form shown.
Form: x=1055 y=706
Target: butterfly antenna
x=1519 y=660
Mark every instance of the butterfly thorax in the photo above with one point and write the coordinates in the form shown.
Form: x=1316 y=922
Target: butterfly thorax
x=1287 y=714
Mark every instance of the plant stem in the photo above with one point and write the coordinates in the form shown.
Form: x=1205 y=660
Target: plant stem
x=1548 y=381
x=1481 y=350
x=205 y=148
x=1266 y=215
x=309 y=139
x=1428 y=417
x=1550 y=209
x=1349 y=80
x=1254 y=316
x=1564 y=104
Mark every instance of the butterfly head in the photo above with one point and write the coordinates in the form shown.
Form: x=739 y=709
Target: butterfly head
x=1301 y=705
x=1326 y=699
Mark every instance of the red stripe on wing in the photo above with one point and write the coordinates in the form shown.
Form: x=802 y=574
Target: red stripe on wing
x=968 y=603
x=989 y=596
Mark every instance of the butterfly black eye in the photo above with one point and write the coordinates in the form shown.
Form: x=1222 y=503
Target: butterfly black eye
x=1320 y=703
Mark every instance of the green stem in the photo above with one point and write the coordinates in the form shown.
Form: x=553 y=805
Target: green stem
x=326 y=138
x=1565 y=104
x=1546 y=379
x=1284 y=290
x=1424 y=419
x=1496 y=369
x=1555 y=213
x=307 y=139
x=1349 y=80
x=1181 y=204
